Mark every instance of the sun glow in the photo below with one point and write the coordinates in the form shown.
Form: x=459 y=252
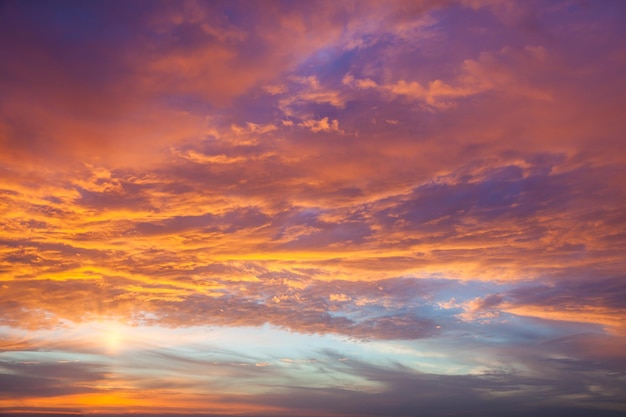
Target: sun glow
x=112 y=337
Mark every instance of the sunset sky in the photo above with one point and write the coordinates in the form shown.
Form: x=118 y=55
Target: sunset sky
x=313 y=208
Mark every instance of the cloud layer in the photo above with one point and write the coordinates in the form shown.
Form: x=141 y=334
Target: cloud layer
x=353 y=208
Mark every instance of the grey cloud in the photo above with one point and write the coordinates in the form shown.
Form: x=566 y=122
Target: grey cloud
x=574 y=287
x=403 y=391
x=23 y=380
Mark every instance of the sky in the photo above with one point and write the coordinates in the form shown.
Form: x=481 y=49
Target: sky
x=313 y=208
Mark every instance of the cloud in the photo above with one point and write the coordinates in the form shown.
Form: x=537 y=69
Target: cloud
x=307 y=95
x=378 y=180
x=322 y=125
x=23 y=380
x=211 y=301
x=253 y=128
x=491 y=393
x=491 y=72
